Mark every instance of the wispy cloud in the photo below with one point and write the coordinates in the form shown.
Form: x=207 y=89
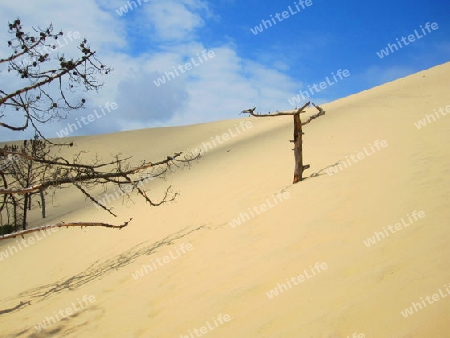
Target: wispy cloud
x=202 y=94
x=176 y=20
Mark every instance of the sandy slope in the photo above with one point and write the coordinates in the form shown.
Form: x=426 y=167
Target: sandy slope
x=229 y=271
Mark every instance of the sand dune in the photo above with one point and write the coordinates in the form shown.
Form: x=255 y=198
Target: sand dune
x=213 y=262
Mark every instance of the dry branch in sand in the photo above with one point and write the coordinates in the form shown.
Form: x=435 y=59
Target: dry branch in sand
x=298 y=149
x=61 y=173
x=60 y=225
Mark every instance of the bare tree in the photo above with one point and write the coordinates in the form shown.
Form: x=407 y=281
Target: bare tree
x=24 y=174
x=49 y=92
x=298 y=142
x=45 y=96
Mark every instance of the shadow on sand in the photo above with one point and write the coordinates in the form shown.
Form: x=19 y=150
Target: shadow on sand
x=97 y=270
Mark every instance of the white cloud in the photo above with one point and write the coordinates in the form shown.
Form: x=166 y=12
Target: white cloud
x=175 y=20
x=217 y=89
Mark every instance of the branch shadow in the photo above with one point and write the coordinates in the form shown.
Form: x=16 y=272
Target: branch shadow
x=320 y=172
x=98 y=269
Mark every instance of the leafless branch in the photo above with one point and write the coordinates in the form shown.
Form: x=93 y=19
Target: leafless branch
x=277 y=113
x=60 y=225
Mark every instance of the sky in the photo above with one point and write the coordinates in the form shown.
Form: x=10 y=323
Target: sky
x=182 y=62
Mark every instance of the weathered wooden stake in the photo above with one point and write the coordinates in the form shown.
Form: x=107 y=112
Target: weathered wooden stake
x=298 y=149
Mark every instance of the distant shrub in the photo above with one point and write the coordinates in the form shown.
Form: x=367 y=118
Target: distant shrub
x=7 y=229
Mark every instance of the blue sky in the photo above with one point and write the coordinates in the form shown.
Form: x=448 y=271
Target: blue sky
x=265 y=69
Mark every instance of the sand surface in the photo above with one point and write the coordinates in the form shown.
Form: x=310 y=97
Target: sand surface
x=214 y=279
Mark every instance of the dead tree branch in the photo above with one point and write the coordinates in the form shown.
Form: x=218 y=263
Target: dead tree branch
x=298 y=151
x=91 y=175
x=60 y=225
x=312 y=117
x=18 y=306
x=278 y=113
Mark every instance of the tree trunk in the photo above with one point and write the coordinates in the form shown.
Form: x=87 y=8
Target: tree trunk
x=25 y=205
x=41 y=192
x=298 y=149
